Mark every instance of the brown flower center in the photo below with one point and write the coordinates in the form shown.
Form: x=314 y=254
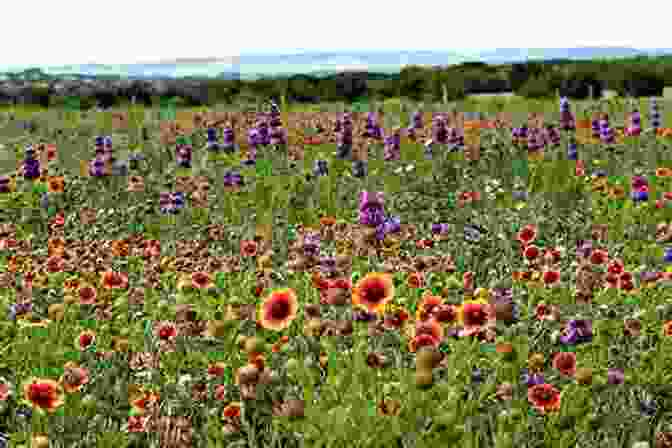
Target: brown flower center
x=279 y=309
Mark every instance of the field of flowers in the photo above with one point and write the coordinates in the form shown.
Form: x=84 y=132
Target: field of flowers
x=282 y=278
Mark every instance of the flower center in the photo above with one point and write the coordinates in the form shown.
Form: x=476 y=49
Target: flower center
x=279 y=309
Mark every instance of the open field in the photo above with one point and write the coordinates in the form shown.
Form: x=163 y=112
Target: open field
x=498 y=293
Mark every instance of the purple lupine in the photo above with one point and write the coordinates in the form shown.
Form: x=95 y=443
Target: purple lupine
x=439 y=130
x=328 y=265
x=211 y=134
x=233 y=178
x=278 y=136
x=553 y=136
x=595 y=126
x=654 y=115
x=372 y=129
x=606 y=132
x=254 y=137
x=371 y=209
x=416 y=120
x=97 y=167
x=321 y=168
x=566 y=117
x=572 y=152
x=29 y=152
x=31 y=168
x=439 y=229
x=263 y=131
x=531 y=379
x=520 y=134
x=584 y=248
x=429 y=149
x=393 y=146
x=535 y=140
x=311 y=244
x=615 y=376
x=184 y=156
x=577 y=331
x=166 y=203
x=391 y=224
x=639 y=182
x=455 y=137
x=635 y=127
x=229 y=138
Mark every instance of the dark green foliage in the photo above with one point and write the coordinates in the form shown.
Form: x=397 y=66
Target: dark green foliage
x=641 y=76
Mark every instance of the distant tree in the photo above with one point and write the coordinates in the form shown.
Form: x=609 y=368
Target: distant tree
x=537 y=87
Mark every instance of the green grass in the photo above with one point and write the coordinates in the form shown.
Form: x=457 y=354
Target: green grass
x=340 y=397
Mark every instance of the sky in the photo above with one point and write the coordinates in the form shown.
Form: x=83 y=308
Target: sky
x=77 y=32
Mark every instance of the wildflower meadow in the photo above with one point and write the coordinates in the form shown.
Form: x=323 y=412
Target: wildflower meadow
x=476 y=274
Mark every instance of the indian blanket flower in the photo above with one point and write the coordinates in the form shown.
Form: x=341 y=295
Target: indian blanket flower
x=422 y=340
x=56 y=184
x=278 y=310
x=473 y=315
x=430 y=304
x=148 y=401
x=430 y=327
x=531 y=252
x=598 y=257
x=395 y=319
x=544 y=311
x=201 y=280
x=216 y=369
x=248 y=248
x=551 y=277
x=137 y=423
x=87 y=295
x=373 y=291
x=43 y=394
x=544 y=397
x=74 y=377
x=165 y=331
x=5 y=390
x=114 y=280
x=85 y=340
x=565 y=363
x=415 y=280
x=55 y=264
x=527 y=234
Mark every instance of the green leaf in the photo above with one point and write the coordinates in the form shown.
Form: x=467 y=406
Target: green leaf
x=372 y=408
x=220 y=280
x=520 y=167
x=488 y=348
x=88 y=323
x=228 y=374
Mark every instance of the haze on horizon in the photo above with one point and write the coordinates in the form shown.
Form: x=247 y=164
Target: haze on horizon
x=75 y=32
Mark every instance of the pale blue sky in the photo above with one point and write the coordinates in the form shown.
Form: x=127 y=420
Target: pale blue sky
x=125 y=31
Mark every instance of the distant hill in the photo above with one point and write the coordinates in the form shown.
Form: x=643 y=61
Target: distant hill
x=254 y=66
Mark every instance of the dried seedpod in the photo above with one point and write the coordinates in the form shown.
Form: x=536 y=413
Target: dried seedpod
x=428 y=358
x=248 y=374
x=424 y=378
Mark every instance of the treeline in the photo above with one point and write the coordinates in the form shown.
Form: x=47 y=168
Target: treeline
x=637 y=77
